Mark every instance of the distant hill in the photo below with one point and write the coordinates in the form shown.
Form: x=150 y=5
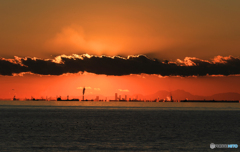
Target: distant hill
x=226 y=96
x=181 y=95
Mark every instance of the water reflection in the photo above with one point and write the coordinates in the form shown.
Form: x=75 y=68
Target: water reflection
x=123 y=105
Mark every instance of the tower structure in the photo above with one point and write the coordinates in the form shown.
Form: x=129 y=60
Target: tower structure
x=116 y=96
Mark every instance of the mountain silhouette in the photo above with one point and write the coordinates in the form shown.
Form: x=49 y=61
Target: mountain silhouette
x=182 y=95
x=226 y=96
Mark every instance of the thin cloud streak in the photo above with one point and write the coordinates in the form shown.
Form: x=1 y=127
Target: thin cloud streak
x=116 y=65
x=83 y=87
x=123 y=90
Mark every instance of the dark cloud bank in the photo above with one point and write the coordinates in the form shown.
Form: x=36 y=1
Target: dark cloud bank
x=190 y=66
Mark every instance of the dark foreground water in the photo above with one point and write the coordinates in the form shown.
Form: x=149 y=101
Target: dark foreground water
x=51 y=128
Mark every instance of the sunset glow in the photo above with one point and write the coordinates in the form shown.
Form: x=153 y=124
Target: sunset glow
x=133 y=48
x=119 y=75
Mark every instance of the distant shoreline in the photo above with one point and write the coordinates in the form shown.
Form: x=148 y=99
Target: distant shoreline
x=194 y=101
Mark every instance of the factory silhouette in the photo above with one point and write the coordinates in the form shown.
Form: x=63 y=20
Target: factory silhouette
x=119 y=98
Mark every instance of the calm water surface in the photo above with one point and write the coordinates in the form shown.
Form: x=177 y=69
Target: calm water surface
x=96 y=126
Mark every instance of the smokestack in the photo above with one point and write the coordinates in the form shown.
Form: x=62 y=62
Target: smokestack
x=83 y=92
x=116 y=96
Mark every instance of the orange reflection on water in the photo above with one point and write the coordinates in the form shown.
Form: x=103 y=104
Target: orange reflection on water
x=120 y=105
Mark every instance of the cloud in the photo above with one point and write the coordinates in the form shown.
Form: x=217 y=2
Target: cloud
x=10 y=66
x=97 y=89
x=117 y=65
x=123 y=90
x=85 y=88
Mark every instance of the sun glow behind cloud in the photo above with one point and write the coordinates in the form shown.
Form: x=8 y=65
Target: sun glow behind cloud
x=74 y=39
x=162 y=29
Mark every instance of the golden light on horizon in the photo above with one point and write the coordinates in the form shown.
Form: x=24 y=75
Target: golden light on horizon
x=165 y=30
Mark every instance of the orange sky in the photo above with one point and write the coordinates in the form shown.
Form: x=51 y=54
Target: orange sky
x=71 y=84
x=159 y=29
x=163 y=29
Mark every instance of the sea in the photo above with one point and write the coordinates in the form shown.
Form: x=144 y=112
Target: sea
x=64 y=126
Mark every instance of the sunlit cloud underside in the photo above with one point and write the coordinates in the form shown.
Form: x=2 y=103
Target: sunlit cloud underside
x=117 y=65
